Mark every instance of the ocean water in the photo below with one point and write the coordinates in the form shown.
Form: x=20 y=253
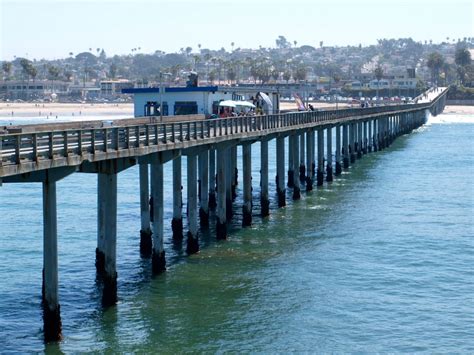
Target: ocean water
x=380 y=260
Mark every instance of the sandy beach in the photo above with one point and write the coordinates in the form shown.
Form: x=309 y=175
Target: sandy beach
x=64 y=109
x=12 y=110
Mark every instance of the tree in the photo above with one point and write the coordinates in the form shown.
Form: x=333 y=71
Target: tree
x=282 y=43
x=300 y=73
x=378 y=72
x=113 y=70
x=232 y=44
x=295 y=43
x=462 y=59
x=287 y=75
x=434 y=63
x=53 y=74
x=7 y=69
x=321 y=44
x=212 y=76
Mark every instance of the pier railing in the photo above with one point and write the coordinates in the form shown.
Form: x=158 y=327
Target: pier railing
x=35 y=147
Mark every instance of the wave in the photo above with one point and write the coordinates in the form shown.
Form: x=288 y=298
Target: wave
x=450 y=118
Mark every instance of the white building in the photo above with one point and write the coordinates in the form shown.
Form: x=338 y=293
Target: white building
x=194 y=100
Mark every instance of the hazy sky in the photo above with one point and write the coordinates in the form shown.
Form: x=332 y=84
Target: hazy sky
x=53 y=28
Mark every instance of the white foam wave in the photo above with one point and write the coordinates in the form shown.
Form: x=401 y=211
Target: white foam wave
x=450 y=118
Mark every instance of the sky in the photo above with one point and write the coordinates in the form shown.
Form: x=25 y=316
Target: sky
x=52 y=29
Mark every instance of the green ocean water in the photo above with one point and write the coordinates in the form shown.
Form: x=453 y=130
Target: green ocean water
x=380 y=260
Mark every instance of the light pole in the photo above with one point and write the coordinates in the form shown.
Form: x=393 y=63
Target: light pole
x=161 y=94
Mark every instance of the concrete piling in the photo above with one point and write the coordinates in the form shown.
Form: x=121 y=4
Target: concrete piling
x=320 y=172
x=329 y=176
x=264 y=199
x=338 y=150
x=158 y=260
x=192 y=236
x=291 y=165
x=221 y=220
x=145 y=231
x=352 y=141
x=212 y=179
x=204 y=190
x=345 y=145
x=247 y=169
x=309 y=160
x=296 y=165
x=280 y=152
x=51 y=308
x=177 y=221
x=302 y=167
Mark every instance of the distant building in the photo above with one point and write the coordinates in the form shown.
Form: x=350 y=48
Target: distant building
x=40 y=89
x=192 y=100
x=110 y=88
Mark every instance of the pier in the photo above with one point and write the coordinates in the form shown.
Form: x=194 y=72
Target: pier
x=47 y=154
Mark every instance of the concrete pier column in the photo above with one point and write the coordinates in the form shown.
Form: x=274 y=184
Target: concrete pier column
x=264 y=199
x=370 y=138
x=320 y=172
x=177 y=221
x=359 y=139
x=212 y=179
x=221 y=220
x=364 y=137
x=375 y=137
x=280 y=178
x=296 y=164
x=352 y=137
x=291 y=165
x=345 y=145
x=302 y=167
x=204 y=193
x=329 y=176
x=234 y=172
x=107 y=235
x=338 y=150
x=145 y=231
x=247 y=168
x=51 y=307
x=313 y=153
x=229 y=174
x=158 y=261
x=309 y=160
x=192 y=237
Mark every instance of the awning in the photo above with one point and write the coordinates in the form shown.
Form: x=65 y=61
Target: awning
x=266 y=99
x=232 y=103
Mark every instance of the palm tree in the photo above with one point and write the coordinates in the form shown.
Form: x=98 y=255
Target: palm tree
x=378 y=72
x=7 y=69
x=295 y=43
x=321 y=44
x=232 y=44
x=462 y=59
x=434 y=63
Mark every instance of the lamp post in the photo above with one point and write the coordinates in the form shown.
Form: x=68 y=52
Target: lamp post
x=161 y=94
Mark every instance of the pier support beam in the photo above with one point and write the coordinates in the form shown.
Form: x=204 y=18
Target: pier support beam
x=338 y=150
x=264 y=199
x=309 y=160
x=280 y=178
x=247 y=168
x=302 y=167
x=51 y=307
x=329 y=176
x=204 y=189
x=375 y=137
x=177 y=221
x=364 y=137
x=212 y=179
x=234 y=172
x=359 y=139
x=370 y=140
x=158 y=261
x=320 y=173
x=221 y=220
x=296 y=164
x=345 y=145
x=192 y=237
x=229 y=172
x=107 y=235
x=291 y=165
x=145 y=231
x=352 y=141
